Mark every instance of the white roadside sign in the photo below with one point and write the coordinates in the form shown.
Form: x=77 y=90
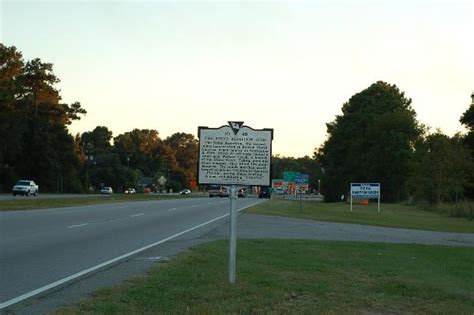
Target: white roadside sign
x=235 y=155
x=366 y=191
x=369 y=190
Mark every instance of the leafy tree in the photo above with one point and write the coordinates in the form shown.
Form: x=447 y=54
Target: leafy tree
x=441 y=169
x=12 y=124
x=137 y=149
x=467 y=119
x=185 y=148
x=372 y=141
x=33 y=124
x=97 y=141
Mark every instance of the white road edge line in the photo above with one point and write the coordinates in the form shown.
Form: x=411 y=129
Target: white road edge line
x=104 y=264
x=136 y=215
x=77 y=225
x=171 y=209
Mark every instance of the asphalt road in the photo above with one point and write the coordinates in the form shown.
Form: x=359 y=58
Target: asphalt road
x=38 y=248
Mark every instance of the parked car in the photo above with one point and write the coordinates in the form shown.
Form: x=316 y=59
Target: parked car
x=241 y=193
x=265 y=192
x=25 y=187
x=130 y=191
x=185 y=192
x=106 y=191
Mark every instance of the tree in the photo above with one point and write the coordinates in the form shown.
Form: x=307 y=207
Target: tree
x=12 y=124
x=185 y=148
x=372 y=141
x=441 y=169
x=467 y=119
x=97 y=141
x=33 y=124
x=137 y=149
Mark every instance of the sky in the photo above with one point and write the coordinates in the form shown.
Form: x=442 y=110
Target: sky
x=287 y=65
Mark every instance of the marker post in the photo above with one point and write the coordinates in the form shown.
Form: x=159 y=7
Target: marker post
x=233 y=234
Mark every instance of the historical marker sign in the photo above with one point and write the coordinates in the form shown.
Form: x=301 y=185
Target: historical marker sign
x=235 y=155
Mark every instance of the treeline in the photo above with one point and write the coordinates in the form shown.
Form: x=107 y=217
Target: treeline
x=137 y=159
x=35 y=142
x=379 y=139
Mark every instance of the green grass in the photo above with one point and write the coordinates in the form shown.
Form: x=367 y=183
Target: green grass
x=390 y=215
x=32 y=203
x=299 y=277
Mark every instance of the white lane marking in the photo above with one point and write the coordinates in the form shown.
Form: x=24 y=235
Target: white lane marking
x=170 y=209
x=77 y=225
x=106 y=263
x=136 y=215
x=192 y=206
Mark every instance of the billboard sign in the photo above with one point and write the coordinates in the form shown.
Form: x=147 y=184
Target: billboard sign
x=235 y=154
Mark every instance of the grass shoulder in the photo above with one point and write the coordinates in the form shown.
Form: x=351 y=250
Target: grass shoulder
x=298 y=276
x=390 y=215
x=33 y=203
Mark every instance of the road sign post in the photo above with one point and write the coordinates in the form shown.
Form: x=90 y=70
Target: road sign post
x=233 y=234
x=234 y=155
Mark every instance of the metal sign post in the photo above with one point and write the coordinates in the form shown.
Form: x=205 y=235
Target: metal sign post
x=351 y=201
x=233 y=234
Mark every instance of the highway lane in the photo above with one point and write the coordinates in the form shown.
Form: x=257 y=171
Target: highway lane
x=43 y=246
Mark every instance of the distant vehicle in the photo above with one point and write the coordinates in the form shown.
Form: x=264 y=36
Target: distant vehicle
x=217 y=191
x=224 y=192
x=185 y=192
x=130 y=191
x=214 y=191
x=25 y=187
x=106 y=191
x=241 y=193
x=265 y=192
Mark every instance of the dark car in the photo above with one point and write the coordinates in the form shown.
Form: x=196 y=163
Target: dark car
x=265 y=193
x=241 y=193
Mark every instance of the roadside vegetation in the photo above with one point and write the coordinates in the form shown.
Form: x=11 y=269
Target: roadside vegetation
x=390 y=215
x=297 y=276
